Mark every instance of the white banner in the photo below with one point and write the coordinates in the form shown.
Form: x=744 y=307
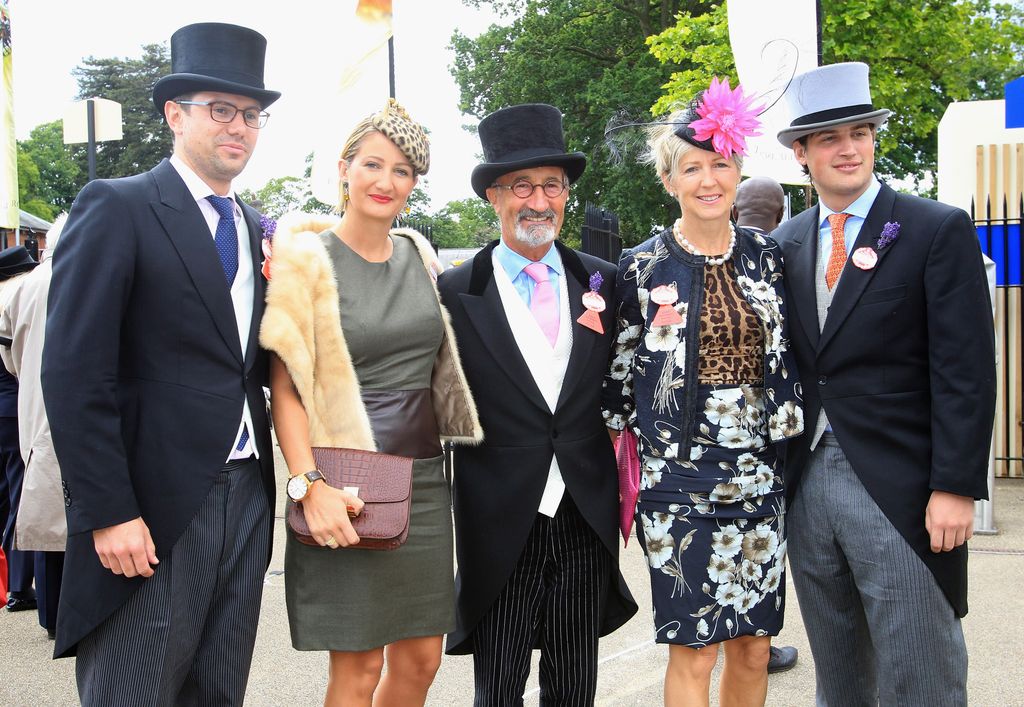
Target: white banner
x=772 y=41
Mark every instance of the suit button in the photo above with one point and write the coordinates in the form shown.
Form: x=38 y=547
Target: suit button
x=554 y=434
x=822 y=380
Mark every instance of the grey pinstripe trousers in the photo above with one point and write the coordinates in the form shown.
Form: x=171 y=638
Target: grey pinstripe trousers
x=881 y=631
x=186 y=636
x=556 y=593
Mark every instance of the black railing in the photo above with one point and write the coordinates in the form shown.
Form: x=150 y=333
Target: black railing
x=599 y=235
x=1001 y=240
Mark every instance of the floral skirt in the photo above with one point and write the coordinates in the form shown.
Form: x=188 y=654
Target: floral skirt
x=712 y=526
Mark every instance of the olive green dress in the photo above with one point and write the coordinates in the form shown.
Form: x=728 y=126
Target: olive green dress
x=350 y=599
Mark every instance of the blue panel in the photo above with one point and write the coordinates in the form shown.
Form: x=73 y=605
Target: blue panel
x=1015 y=103
x=1002 y=243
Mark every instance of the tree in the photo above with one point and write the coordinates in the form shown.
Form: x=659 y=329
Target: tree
x=923 y=56
x=590 y=59
x=59 y=175
x=467 y=223
x=28 y=189
x=128 y=81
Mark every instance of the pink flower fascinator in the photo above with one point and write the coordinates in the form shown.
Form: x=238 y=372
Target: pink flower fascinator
x=726 y=118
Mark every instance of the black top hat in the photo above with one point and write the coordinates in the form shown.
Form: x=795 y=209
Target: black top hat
x=520 y=137
x=14 y=261
x=211 y=56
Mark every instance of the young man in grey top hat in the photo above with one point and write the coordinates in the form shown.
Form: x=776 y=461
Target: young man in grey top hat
x=153 y=384
x=892 y=329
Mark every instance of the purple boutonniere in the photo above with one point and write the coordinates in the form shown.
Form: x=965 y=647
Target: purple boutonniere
x=890 y=232
x=268 y=226
x=594 y=304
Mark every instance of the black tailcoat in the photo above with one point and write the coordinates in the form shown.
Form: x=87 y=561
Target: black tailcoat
x=498 y=485
x=905 y=365
x=143 y=375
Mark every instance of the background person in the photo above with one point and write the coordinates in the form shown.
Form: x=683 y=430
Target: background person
x=703 y=377
x=153 y=383
x=364 y=358
x=41 y=525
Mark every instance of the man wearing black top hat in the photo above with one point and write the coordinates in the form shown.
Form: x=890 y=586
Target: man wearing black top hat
x=891 y=326
x=536 y=505
x=153 y=383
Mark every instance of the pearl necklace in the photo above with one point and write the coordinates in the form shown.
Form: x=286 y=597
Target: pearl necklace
x=690 y=247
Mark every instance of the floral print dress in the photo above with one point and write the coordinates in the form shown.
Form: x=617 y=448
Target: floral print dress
x=711 y=509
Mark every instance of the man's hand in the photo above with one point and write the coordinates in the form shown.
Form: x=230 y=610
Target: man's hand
x=949 y=520
x=126 y=548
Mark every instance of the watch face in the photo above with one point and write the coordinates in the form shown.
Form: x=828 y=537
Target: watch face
x=297 y=488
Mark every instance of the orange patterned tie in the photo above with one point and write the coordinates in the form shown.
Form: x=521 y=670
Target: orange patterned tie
x=837 y=259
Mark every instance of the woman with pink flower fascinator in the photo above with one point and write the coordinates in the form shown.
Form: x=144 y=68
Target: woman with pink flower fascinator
x=704 y=380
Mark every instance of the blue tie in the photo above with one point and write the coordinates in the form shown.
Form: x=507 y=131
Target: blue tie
x=226 y=237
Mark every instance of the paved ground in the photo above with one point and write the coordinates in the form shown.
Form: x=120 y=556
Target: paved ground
x=632 y=666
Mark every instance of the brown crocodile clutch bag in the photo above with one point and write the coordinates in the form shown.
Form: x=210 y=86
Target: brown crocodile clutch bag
x=383 y=482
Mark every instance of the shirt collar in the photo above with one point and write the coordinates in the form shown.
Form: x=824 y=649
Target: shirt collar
x=195 y=185
x=514 y=263
x=858 y=208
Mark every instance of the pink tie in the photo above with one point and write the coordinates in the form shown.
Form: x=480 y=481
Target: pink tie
x=542 y=302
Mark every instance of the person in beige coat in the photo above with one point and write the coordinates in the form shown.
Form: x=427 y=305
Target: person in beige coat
x=41 y=526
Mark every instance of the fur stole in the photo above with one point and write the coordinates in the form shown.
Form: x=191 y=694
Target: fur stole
x=302 y=325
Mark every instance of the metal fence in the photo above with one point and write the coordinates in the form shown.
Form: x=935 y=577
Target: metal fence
x=599 y=235
x=999 y=233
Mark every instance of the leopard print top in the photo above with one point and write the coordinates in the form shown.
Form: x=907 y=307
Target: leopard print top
x=731 y=337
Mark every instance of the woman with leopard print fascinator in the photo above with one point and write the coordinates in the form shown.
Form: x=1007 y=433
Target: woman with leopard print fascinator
x=701 y=389
x=359 y=339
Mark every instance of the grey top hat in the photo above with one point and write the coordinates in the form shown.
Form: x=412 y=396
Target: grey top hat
x=837 y=94
x=212 y=56
x=520 y=137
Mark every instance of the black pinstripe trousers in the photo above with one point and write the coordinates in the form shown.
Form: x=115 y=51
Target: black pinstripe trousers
x=553 y=598
x=880 y=628
x=186 y=636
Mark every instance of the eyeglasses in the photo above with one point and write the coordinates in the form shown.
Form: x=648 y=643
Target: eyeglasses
x=222 y=112
x=522 y=188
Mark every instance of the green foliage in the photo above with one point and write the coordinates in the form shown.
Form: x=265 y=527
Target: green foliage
x=147 y=140
x=590 y=59
x=923 y=55
x=28 y=189
x=468 y=223
x=57 y=171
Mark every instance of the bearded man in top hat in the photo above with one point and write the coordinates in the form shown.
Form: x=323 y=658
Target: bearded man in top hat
x=536 y=505
x=892 y=329
x=153 y=384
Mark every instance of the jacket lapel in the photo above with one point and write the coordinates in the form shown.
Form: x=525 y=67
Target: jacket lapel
x=854 y=279
x=577 y=282
x=800 y=274
x=183 y=222
x=252 y=220
x=487 y=315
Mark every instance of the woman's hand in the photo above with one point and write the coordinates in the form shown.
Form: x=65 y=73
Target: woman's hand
x=327 y=515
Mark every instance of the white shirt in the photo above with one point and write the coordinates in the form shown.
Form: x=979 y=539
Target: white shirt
x=241 y=289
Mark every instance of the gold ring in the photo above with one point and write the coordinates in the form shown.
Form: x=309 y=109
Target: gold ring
x=331 y=542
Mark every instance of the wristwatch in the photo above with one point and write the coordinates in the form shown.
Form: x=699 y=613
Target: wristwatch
x=298 y=485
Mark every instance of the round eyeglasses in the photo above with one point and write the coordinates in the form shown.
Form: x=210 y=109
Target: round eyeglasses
x=222 y=112
x=522 y=188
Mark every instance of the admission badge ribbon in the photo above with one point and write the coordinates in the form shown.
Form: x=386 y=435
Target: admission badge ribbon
x=666 y=296
x=594 y=303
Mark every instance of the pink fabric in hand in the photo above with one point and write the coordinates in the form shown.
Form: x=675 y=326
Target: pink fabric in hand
x=627 y=458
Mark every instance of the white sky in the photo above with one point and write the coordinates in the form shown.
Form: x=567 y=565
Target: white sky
x=308 y=42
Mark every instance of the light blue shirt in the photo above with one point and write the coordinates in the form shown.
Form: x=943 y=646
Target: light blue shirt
x=515 y=265
x=858 y=211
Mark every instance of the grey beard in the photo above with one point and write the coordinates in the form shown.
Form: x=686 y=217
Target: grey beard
x=536 y=235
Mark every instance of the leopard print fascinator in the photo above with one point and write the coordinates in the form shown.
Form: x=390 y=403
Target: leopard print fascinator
x=408 y=135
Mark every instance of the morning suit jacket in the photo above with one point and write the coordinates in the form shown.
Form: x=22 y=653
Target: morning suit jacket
x=143 y=375
x=904 y=367
x=498 y=485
